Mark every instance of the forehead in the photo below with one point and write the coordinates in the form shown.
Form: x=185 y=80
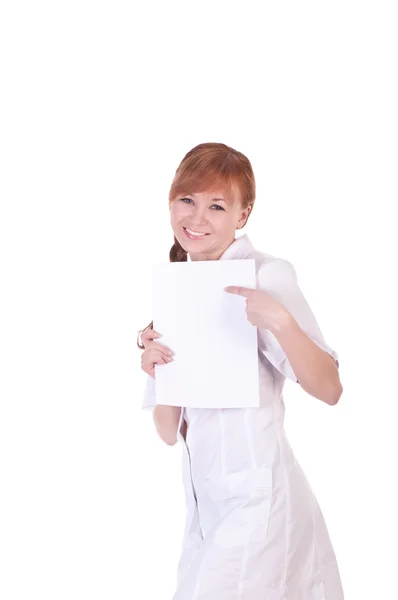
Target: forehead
x=212 y=195
x=217 y=194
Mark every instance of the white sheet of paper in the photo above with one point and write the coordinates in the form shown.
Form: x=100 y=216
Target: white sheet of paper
x=215 y=346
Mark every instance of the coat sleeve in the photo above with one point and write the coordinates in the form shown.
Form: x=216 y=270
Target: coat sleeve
x=279 y=279
x=149 y=400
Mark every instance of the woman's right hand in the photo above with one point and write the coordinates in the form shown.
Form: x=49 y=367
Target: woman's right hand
x=154 y=353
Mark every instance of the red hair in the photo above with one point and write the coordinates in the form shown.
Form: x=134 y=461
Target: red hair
x=206 y=167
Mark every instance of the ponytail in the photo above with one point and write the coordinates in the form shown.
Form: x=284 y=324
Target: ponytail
x=176 y=254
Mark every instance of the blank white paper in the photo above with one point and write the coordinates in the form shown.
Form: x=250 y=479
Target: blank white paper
x=215 y=346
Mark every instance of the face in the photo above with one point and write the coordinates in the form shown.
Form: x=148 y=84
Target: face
x=205 y=223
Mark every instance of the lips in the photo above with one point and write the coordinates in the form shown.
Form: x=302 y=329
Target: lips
x=194 y=235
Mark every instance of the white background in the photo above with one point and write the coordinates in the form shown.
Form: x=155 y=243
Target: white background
x=100 y=101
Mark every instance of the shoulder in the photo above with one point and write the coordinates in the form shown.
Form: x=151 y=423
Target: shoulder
x=271 y=266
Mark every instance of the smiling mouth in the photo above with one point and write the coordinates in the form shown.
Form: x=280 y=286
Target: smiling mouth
x=194 y=234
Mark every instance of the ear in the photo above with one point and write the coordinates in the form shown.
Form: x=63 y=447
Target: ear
x=244 y=216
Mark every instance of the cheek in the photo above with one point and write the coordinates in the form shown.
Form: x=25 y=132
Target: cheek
x=178 y=214
x=178 y=211
x=225 y=223
x=173 y=215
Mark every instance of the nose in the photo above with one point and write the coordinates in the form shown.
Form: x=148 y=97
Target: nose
x=198 y=216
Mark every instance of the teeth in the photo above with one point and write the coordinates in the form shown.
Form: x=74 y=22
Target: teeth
x=195 y=233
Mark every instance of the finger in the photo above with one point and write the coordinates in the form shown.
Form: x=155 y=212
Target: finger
x=148 y=336
x=162 y=348
x=150 y=354
x=240 y=291
x=160 y=360
x=153 y=355
x=152 y=351
x=155 y=352
x=150 y=366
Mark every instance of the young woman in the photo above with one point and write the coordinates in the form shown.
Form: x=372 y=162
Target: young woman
x=254 y=530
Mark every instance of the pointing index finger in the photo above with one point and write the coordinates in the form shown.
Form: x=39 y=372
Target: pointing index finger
x=239 y=290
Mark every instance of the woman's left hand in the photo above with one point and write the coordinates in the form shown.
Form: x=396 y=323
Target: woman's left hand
x=262 y=309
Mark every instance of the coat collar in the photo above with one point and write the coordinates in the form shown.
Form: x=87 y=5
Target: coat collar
x=241 y=247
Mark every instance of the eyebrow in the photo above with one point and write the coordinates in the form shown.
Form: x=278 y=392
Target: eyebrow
x=213 y=199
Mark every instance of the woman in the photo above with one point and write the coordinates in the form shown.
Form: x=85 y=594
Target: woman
x=254 y=530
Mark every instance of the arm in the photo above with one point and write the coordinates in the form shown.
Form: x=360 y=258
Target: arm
x=289 y=335
x=293 y=329
x=315 y=369
x=166 y=419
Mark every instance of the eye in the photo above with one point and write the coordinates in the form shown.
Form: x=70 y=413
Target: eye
x=189 y=200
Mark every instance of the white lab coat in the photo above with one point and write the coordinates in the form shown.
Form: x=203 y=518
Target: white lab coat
x=254 y=529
